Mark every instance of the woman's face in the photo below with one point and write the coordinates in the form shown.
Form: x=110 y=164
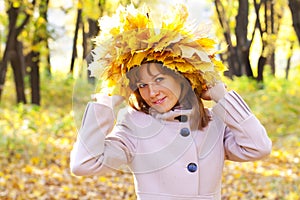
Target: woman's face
x=159 y=91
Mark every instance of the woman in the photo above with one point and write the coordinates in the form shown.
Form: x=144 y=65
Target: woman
x=174 y=147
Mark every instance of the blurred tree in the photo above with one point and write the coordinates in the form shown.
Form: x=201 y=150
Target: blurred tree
x=268 y=22
x=27 y=34
x=74 y=49
x=88 y=13
x=238 y=51
x=39 y=42
x=295 y=10
x=242 y=42
x=239 y=33
x=288 y=66
x=18 y=13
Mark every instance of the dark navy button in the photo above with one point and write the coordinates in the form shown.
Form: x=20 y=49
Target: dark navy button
x=192 y=167
x=184 y=132
x=182 y=118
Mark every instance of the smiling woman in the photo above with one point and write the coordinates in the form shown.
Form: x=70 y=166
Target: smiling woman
x=156 y=85
x=159 y=91
x=174 y=147
x=156 y=88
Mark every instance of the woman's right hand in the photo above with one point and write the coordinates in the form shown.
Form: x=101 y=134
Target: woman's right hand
x=215 y=93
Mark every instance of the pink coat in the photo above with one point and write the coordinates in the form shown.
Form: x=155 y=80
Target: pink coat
x=169 y=161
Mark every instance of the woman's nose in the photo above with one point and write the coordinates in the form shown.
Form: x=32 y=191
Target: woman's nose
x=153 y=91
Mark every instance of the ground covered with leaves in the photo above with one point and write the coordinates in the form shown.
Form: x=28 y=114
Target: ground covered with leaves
x=35 y=143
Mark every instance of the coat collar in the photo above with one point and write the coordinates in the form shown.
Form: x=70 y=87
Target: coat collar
x=176 y=115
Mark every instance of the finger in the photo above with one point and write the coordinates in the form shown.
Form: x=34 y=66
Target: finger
x=206 y=95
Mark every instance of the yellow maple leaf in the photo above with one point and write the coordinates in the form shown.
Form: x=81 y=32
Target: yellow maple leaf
x=206 y=43
x=189 y=52
x=136 y=59
x=175 y=20
x=219 y=66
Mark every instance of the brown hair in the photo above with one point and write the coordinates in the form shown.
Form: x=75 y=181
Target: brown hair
x=187 y=100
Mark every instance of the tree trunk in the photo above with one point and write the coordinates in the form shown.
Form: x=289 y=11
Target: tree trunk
x=287 y=69
x=44 y=14
x=14 y=52
x=35 y=79
x=262 y=59
x=295 y=10
x=248 y=69
x=18 y=64
x=243 y=45
x=237 y=56
x=48 y=67
x=93 y=31
x=231 y=53
x=260 y=68
x=272 y=63
x=40 y=36
x=87 y=54
x=288 y=66
x=10 y=44
x=74 y=51
x=274 y=21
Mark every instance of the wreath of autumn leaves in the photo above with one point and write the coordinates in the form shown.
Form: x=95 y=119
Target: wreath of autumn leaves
x=131 y=37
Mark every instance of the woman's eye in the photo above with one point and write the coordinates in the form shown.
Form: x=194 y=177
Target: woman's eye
x=159 y=79
x=141 y=85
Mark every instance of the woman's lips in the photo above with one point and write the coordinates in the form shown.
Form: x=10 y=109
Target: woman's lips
x=159 y=101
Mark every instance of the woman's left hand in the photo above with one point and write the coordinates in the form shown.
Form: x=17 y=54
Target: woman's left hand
x=215 y=93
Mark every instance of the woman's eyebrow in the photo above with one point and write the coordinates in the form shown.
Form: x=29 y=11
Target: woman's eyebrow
x=152 y=77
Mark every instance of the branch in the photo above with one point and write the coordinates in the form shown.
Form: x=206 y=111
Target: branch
x=223 y=21
x=25 y=21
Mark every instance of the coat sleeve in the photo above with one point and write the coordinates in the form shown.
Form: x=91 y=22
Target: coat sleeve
x=245 y=137
x=94 y=152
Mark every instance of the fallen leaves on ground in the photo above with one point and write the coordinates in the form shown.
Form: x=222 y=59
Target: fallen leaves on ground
x=35 y=143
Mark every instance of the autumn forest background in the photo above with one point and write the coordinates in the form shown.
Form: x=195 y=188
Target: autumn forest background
x=44 y=87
